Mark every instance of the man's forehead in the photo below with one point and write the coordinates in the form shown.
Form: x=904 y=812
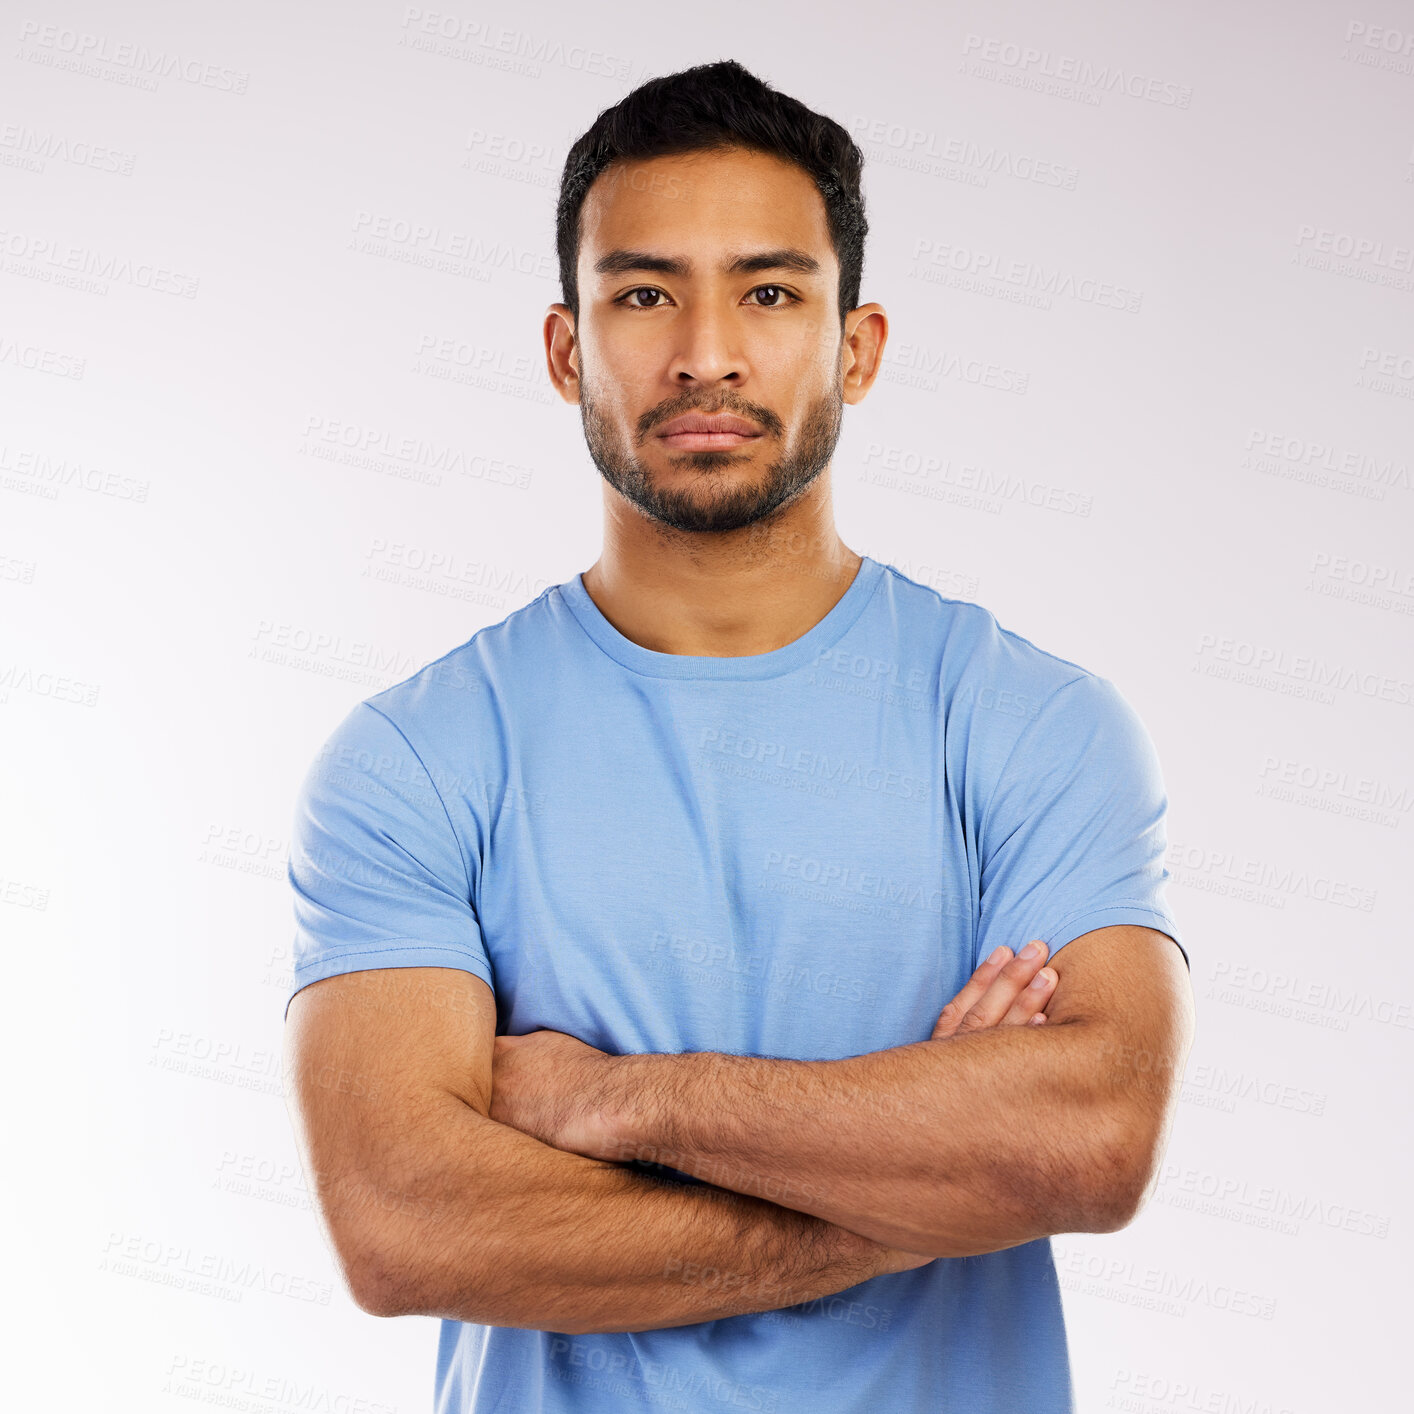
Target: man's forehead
x=735 y=212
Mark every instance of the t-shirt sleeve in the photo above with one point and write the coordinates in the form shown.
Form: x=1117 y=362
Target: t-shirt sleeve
x=1073 y=838
x=379 y=876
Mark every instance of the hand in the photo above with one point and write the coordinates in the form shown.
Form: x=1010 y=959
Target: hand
x=998 y=994
x=549 y=1085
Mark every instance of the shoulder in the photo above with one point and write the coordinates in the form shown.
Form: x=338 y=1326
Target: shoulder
x=987 y=672
x=1008 y=705
x=447 y=699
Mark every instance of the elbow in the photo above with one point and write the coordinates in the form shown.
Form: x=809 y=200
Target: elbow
x=376 y=1301
x=374 y=1296
x=380 y=1290
x=389 y=1235
x=418 y=1275
x=382 y=1280
x=1113 y=1212
x=1124 y=1174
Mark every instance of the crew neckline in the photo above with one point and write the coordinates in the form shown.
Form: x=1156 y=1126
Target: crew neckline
x=743 y=667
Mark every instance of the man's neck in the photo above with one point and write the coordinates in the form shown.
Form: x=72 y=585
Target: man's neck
x=722 y=600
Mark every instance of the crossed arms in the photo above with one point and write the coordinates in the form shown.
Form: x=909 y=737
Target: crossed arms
x=981 y=1138
x=479 y=1180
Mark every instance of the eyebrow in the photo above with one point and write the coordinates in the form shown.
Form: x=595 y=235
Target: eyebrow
x=623 y=262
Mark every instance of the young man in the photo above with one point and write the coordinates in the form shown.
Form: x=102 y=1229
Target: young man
x=661 y=1020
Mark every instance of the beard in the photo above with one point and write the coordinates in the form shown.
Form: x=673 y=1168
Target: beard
x=718 y=498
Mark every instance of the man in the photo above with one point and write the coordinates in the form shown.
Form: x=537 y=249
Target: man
x=661 y=1019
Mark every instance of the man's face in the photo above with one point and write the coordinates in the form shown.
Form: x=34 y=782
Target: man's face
x=761 y=344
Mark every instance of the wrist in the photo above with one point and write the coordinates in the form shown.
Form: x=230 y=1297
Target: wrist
x=847 y=1256
x=613 y=1111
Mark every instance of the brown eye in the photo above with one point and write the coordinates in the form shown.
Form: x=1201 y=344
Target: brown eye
x=628 y=297
x=784 y=296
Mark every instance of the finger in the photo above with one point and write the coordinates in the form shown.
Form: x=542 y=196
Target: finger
x=1033 y=998
x=1006 y=990
x=972 y=992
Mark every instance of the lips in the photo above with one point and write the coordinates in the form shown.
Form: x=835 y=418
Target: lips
x=698 y=424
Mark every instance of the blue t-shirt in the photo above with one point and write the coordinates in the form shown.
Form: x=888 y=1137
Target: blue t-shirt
x=802 y=853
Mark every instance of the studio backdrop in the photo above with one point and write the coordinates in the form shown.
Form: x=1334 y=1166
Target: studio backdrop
x=276 y=430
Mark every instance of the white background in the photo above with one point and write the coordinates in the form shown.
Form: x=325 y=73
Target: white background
x=257 y=463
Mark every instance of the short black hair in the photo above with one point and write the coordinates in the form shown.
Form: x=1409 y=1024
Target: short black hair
x=713 y=107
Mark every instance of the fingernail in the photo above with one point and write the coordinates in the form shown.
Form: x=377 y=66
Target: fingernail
x=1043 y=978
x=1032 y=949
x=997 y=954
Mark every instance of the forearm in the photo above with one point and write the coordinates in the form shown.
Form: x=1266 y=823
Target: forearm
x=952 y=1147
x=508 y=1231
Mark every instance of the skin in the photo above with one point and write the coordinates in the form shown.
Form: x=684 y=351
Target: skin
x=997 y=1130
x=552 y=1085
x=726 y=552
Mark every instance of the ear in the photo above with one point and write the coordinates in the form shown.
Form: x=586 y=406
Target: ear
x=562 y=351
x=866 y=331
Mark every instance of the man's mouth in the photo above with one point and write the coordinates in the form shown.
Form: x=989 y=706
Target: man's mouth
x=701 y=441
x=697 y=432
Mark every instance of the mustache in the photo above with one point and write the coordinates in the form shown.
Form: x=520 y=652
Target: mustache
x=753 y=412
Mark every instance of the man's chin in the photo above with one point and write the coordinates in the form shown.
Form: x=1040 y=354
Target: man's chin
x=704 y=514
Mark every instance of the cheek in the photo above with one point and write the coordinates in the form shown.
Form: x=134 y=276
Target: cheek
x=628 y=353
x=622 y=383
x=802 y=368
